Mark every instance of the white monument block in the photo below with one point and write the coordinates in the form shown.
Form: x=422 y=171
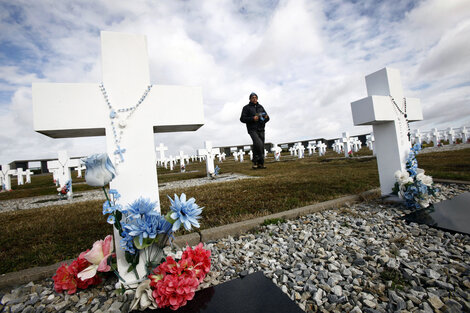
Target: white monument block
x=388 y=122
x=125 y=72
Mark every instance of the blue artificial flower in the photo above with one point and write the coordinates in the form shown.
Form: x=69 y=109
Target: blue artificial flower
x=148 y=226
x=111 y=219
x=141 y=207
x=184 y=212
x=216 y=170
x=127 y=242
x=107 y=208
x=115 y=194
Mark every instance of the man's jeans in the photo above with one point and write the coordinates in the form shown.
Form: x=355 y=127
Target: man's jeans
x=258 y=146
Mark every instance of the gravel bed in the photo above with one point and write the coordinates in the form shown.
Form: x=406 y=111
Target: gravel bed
x=357 y=258
x=32 y=202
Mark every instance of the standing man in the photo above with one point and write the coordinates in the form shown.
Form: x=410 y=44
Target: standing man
x=255 y=117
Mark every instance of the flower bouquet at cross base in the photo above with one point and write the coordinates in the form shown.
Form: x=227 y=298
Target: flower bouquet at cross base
x=215 y=173
x=413 y=186
x=144 y=231
x=64 y=190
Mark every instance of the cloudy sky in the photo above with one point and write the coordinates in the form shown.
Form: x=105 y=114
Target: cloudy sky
x=306 y=60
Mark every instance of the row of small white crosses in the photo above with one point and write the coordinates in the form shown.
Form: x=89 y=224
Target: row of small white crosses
x=6 y=172
x=435 y=136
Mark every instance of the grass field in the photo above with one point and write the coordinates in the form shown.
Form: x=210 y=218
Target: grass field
x=51 y=234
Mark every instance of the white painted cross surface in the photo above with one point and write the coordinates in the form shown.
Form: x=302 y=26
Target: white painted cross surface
x=125 y=72
x=210 y=154
x=388 y=123
x=5 y=174
x=251 y=154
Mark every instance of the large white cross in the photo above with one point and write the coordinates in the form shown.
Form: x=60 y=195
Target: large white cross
x=125 y=73
x=5 y=174
x=62 y=167
x=389 y=125
x=210 y=154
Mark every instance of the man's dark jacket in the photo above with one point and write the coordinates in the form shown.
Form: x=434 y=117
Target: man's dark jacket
x=247 y=117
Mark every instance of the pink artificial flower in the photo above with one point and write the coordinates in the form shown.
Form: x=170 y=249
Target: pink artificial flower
x=98 y=257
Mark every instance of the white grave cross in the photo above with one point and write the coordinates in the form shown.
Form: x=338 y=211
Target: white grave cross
x=161 y=149
x=389 y=124
x=61 y=167
x=210 y=154
x=277 y=152
x=5 y=174
x=20 y=176
x=125 y=73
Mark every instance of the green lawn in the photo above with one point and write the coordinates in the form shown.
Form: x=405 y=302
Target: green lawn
x=50 y=234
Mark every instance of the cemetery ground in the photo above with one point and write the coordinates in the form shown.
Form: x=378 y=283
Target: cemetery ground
x=50 y=234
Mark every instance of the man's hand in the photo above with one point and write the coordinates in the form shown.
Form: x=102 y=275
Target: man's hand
x=256 y=118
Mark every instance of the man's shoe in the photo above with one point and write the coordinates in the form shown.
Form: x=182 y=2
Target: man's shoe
x=261 y=167
x=255 y=167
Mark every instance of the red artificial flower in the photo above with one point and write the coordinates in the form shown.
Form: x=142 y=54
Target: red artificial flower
x=64 y=279
x=175 y=290
x=201 y=258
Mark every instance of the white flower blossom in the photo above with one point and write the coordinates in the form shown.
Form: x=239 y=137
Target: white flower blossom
x=425 y=179
x=403 y=177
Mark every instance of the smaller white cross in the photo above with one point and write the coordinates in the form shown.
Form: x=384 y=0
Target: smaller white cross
x=241 y=153
x=62 y=168
x=210 y=154
x=5 y=174
x=161 y=149
x=450 y=135
x=182 y=161
x=20 y=176
x=321 y=148
x=277 y=152
x=28 y=176
x=251 y=154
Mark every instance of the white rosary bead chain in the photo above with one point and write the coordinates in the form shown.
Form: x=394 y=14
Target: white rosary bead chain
x=121 y=122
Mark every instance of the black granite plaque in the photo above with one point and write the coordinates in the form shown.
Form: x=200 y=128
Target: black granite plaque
x=449 y=215
x=252 y=294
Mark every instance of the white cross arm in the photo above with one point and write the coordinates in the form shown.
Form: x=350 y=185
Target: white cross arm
x=56 y=108
x=378 y=109
x=68 y=110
